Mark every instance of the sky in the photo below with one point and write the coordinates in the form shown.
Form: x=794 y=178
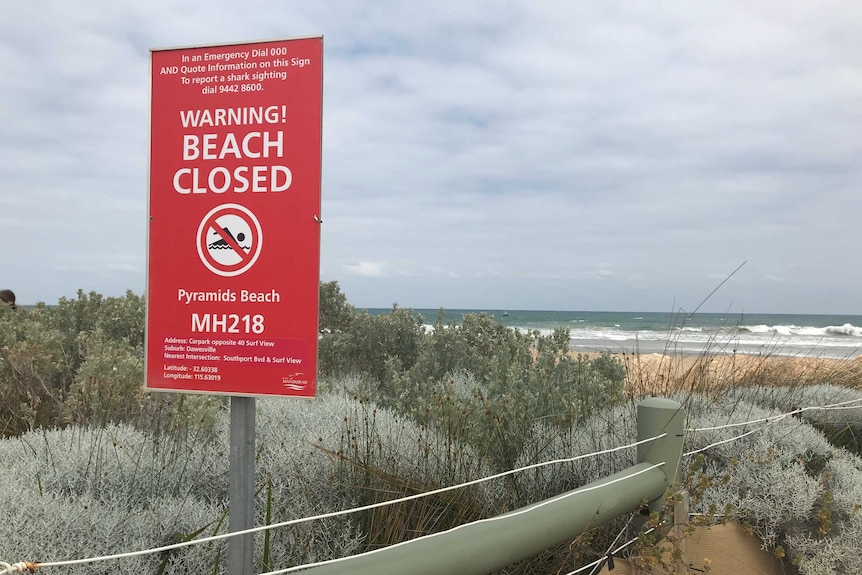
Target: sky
x=608 y=156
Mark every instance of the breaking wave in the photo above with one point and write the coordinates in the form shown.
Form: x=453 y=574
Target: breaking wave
x=828 y=331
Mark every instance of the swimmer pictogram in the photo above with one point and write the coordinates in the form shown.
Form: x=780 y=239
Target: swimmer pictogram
x=229 y=240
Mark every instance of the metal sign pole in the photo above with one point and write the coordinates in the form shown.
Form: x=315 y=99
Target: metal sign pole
x=240 y=549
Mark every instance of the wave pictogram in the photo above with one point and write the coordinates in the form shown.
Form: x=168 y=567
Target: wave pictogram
x=222 y=244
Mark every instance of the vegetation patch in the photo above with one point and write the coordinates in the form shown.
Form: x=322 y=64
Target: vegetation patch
x=97 y=466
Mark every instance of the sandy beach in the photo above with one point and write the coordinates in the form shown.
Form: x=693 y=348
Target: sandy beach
x=661 y=374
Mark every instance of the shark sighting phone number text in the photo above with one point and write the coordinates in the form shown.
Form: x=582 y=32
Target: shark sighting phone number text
x=236 y=88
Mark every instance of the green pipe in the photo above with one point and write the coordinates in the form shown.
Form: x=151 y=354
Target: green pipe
x=489 y=544
x=658 y=415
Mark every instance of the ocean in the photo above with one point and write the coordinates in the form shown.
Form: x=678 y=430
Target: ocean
x=797 y=335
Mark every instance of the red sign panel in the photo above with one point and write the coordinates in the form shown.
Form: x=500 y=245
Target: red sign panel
x=234 y=230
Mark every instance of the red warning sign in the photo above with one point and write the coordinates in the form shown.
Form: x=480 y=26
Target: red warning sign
x=234 y=226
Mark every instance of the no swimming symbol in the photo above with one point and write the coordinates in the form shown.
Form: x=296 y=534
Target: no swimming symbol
x=229 y=240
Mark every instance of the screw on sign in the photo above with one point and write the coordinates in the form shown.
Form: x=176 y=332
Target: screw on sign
x=229 y=240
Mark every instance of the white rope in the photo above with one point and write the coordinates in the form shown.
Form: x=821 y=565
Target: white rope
x=779 y=417
x=21 y=567
x=595 y=563
x=614 y=542
x=338 y=513
x=614 y=552
x=687 y=453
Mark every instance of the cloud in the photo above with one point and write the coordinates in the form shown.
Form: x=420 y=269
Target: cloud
x=123 y=267
x=485 y=150
x=367 y=269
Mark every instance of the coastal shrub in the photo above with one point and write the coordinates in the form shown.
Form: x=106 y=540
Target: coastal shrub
x=107 y=384
x=81 y=361
x=370 y=342
x=40 y=353
x=34 y=373
x=841 y=423
x=480 y=345
x=380 y=456
x=512 y=391
x=335 y=314
x=603 y=430
x=514 y=378
x=81 y=492
x=335 y=318
x=490 y=384
x=786 y=482
x=120 y=318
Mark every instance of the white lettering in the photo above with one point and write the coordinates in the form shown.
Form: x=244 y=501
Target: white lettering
x=260 y=297
x=220 y=180
x=252 y=145
x=231 y=116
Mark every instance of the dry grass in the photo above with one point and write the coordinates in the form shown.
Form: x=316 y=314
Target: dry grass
x=659 y=374
x=668 y=374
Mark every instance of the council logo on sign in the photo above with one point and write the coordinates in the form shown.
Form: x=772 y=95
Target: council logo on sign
x=229 y=240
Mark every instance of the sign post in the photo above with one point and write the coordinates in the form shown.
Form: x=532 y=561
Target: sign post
x=240 y=551
x=234 y=234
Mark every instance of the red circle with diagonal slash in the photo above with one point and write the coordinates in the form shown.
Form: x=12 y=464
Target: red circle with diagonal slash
x=246 y=258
